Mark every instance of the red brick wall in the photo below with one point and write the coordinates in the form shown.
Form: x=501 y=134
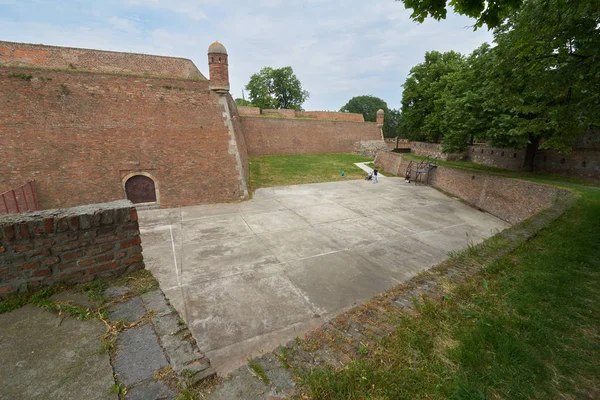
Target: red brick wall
x=392 y=163
x=511 y=200
x=77 y=134
x=283 y=113
x=334 y=116
x=36 y=55
x=433 y=150
x=497 y=157
x=73 y=245
x=272 y=136
x=219 y=71
x=248 y=110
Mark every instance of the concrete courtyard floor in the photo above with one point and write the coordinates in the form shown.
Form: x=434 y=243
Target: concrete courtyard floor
x=250 y=276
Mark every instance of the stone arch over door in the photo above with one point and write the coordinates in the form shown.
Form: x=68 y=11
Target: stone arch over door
x=141 y=188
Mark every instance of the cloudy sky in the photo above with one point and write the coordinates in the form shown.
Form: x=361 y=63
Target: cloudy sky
x=337 y=48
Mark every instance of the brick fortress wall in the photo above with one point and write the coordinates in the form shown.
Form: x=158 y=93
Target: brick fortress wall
x=71 y=245
x=35 y=55
x=277 y=136
x=78 y=134
x=511 y=200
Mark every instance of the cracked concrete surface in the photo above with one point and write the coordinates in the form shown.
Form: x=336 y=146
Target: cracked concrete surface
x=250 y=276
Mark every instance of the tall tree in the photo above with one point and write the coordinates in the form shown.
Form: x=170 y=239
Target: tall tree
x=485 y=12
x=276 y=88
x=422 y=95
x=368 y=106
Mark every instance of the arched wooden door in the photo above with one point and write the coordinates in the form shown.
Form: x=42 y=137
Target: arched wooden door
x=140 y=189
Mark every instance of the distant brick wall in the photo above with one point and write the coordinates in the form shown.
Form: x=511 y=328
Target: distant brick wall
x=280 y=113
x=330 y=115
x=433 y=150
x=273 y=136
x=579 y=162
x=397 y=143
x=497 y=157
x=70 y=245
x=390 y=162
x=40 y=56
x=248 y=110
x=511 y=200
x=78 y=134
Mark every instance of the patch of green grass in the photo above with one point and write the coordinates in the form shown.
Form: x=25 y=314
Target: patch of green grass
x=23 y=76
x=527 y=326
x=118 y=389
x=266 y=171
x=259 y=371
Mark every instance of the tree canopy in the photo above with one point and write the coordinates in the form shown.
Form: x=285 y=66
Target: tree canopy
x=368 y=106
x=538 y=87
x=276 y=88
x=485 y=12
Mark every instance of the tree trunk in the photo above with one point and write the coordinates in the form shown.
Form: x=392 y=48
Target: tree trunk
x=532 y=146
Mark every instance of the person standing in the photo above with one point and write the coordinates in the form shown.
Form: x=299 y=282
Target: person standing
x=375 y=175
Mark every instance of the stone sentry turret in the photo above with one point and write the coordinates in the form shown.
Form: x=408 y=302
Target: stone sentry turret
x=380 y=118
x=218 y=67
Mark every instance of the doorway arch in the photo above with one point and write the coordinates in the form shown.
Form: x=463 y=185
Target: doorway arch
x=141 y=188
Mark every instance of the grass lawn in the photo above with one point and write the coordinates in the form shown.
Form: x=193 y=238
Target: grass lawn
x=268 y=171
x=527 y=326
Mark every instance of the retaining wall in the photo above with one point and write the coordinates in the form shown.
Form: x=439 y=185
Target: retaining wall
x=278 y=136
x=331 y=115
x=68 y=245
x=434 y=150
x=511 y=200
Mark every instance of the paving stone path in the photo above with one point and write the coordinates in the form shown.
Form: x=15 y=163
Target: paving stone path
x=46 y=355
x=340 y=340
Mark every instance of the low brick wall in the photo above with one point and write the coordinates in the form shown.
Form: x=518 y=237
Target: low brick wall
x=434 y=150
x=243 y=110
x=283 y=113
x=392 y=163
x=68 y=245
x=331 y=115
x=511 y=200
x=397 y=143
x=497 y=157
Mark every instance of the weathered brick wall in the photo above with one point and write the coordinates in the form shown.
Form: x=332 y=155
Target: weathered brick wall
x=240 y=151
x=248 y=110
x=497 y=157
x=433 y=150
x=70 y=245
x=397 y=143
x=330 y=115
x=392 y=163
x=40 y=56
x=280 y=113
x=273 y=136
x=579 y=162
x=78 y=134
x=511 y=200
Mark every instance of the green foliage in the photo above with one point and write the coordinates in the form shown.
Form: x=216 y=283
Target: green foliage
x=243 y=102
x=539 y=86
x=368 y=106
x=23 y=76
x=490 y=13
x=422 y=101
x=276 y=88
x=365 y=105
x=259 y=371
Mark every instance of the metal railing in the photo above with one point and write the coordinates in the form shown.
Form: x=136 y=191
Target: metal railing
x=18 y=200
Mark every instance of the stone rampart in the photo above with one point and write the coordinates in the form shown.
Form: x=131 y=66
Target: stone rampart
x=331 y=115
x=434 y=150
x=278 y=136
x=282 y=113
x=511 y=200
x=497 y=157
x=79 y=135
x=41 y=56
x=68 y=245
x=248 y=110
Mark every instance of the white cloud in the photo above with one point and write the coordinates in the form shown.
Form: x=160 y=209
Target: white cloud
x=124 y=24
x=338 y=48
